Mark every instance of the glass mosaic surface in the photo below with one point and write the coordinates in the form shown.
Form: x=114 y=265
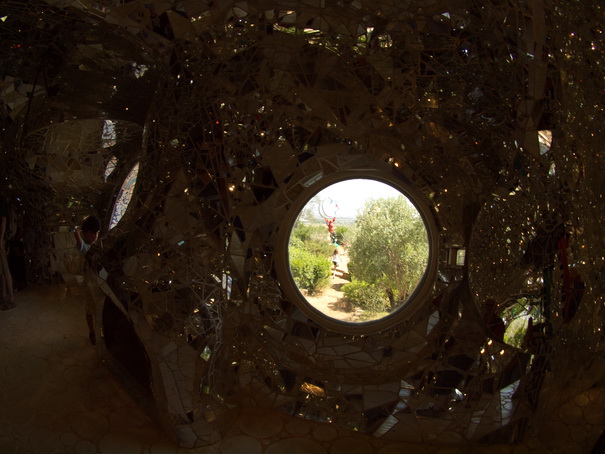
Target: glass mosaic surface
x=491 y=110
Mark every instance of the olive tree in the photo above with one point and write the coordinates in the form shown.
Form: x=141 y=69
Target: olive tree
x=390 y=247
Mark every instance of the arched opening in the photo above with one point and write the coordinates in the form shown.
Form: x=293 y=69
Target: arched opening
x=358 y=250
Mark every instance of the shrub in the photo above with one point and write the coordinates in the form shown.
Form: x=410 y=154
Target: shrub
x=301 y=232
x=310 y=272
x=369 y=297
x=313 y=238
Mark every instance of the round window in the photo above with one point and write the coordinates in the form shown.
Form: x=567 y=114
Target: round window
x=359 y=253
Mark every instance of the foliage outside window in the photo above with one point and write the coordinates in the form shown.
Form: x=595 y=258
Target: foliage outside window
x=389 y=252
x=309 y=252
x=384 y=254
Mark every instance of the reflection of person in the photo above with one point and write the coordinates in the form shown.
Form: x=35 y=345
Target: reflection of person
x=462 y=351
x=335 y=262
x=86 y=236
x=8 y=296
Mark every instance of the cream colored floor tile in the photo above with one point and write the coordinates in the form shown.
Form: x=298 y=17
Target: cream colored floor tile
x=57 y=396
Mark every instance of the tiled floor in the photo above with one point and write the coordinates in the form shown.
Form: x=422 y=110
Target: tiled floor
x=57 y=396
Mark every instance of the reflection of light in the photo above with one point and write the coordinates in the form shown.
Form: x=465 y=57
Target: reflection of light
x=545 y=140
x=139 y=70
x=109 y=135
x=313 y=179
x=124 y=196
x=312 y=389
x=111 y=166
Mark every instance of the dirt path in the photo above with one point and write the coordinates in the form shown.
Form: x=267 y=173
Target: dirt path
x=330 y=300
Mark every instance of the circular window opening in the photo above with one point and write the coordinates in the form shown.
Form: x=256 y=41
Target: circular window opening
x=358 y=251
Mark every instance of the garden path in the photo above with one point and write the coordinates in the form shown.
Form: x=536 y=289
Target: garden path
x=330 y=301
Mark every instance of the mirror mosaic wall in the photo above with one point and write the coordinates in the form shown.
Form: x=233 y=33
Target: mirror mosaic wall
x=235 y=114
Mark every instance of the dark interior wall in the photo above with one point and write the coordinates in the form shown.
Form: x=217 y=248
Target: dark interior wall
x=484 y=110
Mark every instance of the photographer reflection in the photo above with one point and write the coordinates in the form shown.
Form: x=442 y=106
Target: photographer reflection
x=85 y=237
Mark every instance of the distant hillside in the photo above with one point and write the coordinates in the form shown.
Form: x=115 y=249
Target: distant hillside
x=345 y=221
x=348 y=221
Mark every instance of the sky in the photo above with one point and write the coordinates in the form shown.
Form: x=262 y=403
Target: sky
x=351 y=195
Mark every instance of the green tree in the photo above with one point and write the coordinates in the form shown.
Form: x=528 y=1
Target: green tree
x=390 y=248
